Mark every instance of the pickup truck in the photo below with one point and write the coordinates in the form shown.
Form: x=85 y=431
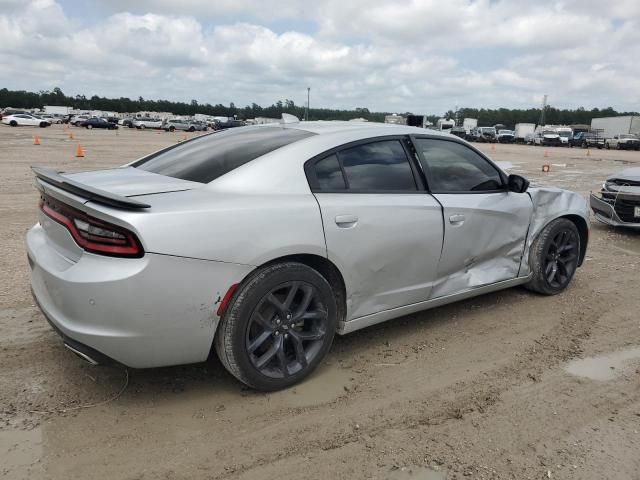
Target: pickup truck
x=586 y=140
x=624 y=141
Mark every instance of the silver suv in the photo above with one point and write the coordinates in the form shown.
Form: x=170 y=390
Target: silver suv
x=186 y=125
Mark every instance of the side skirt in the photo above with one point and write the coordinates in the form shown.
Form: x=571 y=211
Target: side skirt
x=374 y=318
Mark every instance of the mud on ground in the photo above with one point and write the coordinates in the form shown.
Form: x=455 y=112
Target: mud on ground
x=493 y=387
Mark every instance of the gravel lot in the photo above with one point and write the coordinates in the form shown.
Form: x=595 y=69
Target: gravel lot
x=492 y=387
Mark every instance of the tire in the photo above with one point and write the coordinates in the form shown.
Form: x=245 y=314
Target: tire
x=13 y=123
x=172 y=129
x=584 y=145
x=552 y=262
x=192 y=129
x=89 y=127
x=607 y=146
x=618 y=147
x=44 y=124
x=142 y=127
x=251 y=316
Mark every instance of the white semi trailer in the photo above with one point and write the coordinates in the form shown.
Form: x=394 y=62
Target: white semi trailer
x=610 y=126
x=522 y=130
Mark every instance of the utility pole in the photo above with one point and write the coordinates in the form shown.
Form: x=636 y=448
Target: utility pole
x=544 y=105
x=306 y=113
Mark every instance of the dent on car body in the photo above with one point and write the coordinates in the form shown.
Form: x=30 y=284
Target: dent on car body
x=549 y=204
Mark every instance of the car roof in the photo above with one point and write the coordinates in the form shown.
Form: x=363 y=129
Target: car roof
x=282 y=171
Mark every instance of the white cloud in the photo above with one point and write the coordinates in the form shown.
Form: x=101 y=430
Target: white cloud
x=418 y=55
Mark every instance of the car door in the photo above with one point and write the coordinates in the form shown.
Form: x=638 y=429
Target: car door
x=382 y=229
x=485 y=225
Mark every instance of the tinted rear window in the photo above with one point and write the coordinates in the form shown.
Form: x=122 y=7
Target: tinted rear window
x=211 y=156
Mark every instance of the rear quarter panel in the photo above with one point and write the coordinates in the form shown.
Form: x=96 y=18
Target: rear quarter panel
x=236 y=228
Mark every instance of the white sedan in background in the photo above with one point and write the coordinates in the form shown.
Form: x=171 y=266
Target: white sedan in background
x=25 y=120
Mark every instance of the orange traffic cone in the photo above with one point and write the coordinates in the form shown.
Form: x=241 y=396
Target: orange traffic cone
x=546 y=154
x=79 y=152
x=493 y=147
x=36 y=140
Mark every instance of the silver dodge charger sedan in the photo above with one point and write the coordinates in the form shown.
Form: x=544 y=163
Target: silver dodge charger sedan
x=263 y=242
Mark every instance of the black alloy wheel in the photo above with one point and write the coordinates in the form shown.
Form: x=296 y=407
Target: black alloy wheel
x=286 y=330
x=554 y=257
x=278 y=326
x=561 y=259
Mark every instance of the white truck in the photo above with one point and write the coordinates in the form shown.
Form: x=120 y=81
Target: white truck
x=395 y=119
x=469 y=124
x=610 y=126
x=445 y=124
x=522 y=130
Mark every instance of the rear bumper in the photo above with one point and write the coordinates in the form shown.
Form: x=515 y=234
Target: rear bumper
x=606 y=213
x=145 y=312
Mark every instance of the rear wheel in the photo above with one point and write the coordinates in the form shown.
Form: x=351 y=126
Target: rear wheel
x=13 y=123
x=89 y=126
x=554 y=257
x=172 y=129
x=192 y=129
x=142 y=127
x=278 y=327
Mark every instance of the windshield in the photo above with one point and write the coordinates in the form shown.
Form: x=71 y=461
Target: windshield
x=564 y=134
x=211 y=156
x=628 y=136
x=505 y=132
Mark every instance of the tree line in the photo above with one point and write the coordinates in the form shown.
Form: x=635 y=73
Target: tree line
x=486 y=117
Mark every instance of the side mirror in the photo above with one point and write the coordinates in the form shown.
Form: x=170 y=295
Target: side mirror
x=517 y=184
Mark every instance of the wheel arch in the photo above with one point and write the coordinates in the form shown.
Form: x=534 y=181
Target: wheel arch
x=328 y=270
x=583 y=230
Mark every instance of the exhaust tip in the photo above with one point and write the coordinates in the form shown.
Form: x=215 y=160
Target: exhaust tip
x=82 y=355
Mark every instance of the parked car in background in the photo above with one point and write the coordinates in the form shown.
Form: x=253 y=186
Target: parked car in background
x=142 y=123
x=587 y=140
x=265 y=273
x=76 y=120
x=484 y=135
x=618 y=203
x=460 y=132
x=529 y=139
x=230 y=123
x=126 y=122
x=547 y=138
x=184 y=125
x=95 y=122
x=25 y=120
x=50 y=118
x=506 y=136
x=624 y=141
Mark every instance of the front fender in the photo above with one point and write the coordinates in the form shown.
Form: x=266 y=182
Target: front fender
x=549 y=204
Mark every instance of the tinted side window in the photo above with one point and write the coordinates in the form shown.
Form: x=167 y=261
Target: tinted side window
x=454 y=167
x=375 y=166
x=208 y=157
x=329 y=174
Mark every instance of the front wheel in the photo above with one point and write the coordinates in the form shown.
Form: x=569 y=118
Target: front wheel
x=89 y=127
x=13 y=123
x=553 y=257
x=278 y=327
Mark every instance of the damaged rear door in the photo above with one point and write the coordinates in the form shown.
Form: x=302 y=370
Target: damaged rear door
x=485 y=225
x=382 y=230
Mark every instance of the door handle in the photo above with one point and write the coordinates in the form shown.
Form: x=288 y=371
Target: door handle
x=456 y=219
x=346 y=221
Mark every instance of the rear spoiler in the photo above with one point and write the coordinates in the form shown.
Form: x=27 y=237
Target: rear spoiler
x=86 y=191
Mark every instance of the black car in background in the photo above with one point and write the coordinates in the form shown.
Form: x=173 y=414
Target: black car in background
x=96 y=122
x=458 y=132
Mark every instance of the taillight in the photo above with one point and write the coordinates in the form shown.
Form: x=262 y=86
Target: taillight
x=93 y=235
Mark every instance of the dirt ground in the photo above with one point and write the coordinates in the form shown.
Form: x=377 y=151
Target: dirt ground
x=511 y=385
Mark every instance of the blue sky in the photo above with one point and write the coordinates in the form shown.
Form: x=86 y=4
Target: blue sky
x=424 y=56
